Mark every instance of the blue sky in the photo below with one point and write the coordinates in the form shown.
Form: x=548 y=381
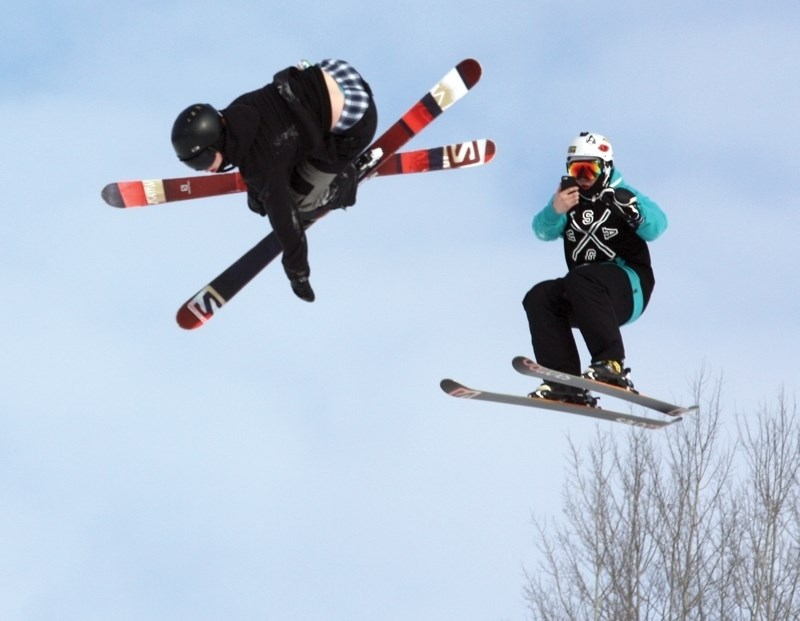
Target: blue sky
x=298 y=461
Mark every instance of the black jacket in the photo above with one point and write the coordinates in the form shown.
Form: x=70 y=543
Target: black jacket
x=271 y=130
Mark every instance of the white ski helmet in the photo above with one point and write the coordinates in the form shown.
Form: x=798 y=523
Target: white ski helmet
x=590 y=146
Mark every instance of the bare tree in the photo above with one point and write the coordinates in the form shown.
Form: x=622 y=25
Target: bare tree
x=665 y=526
x=691 y=490
x=766 y=553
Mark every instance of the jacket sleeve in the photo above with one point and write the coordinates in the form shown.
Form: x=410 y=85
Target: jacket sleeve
x=654 y=221
x=548 y=224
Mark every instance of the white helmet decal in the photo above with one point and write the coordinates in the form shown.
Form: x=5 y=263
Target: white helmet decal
x=590 y=146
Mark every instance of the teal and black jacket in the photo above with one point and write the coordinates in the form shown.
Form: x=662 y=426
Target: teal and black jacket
x=594 y=232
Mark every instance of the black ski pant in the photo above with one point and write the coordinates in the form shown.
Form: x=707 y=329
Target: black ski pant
x=595 y=298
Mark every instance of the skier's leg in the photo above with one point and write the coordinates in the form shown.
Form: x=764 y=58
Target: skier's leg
x=601 y=299
x=549 y=320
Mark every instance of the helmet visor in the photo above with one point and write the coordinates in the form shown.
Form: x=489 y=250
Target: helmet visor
x=203 y=160
x=585 y=169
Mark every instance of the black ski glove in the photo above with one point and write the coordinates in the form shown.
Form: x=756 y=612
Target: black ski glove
x=342 y=191
x=255 y=205
x=624 y=201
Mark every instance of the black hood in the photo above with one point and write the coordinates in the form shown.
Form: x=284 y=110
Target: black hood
x=241 y=127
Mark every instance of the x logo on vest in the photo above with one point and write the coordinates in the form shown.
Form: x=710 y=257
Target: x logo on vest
x=591 y=233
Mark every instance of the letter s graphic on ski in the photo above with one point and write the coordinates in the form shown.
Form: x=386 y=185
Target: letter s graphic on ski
x=204 y=304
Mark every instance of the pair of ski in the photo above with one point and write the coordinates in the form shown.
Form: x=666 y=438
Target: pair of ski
x=382 y=158
x=529 y=367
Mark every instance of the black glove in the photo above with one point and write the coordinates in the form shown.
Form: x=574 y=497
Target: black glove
x=624 y=201
x=255 y=205
x=343 y=189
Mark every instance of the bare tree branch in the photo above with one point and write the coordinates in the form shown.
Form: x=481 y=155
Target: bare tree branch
x=683 y=525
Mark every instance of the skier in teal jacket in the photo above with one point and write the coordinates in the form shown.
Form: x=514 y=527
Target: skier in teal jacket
x=605 y=225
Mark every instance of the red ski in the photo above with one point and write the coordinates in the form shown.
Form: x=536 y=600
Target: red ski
x=202 y=306
x=144 y=193
x=126 y=194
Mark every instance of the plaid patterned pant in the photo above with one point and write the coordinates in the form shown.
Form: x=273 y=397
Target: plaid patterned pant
x=356 y=96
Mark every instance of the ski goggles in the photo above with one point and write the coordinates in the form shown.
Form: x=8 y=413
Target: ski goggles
x=585 y=169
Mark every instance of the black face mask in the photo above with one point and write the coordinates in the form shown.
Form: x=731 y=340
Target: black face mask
x=219 y=147
x=593 y=191
x=225 y=166
x=202 y=160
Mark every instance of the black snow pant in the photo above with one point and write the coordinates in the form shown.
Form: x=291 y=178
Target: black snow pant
x=595 y=298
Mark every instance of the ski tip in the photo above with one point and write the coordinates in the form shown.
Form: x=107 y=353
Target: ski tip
x=200 y=308
x=112 y=195
x=470 y=71
x=520 y=363
x=446 y=383
x=491 y=149
x=451 y=387
x=187 y=319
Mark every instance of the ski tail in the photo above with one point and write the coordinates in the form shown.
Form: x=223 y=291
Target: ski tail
x=202 y=307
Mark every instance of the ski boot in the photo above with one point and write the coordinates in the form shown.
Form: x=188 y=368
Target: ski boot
x=610 y=372
x=560 y=392
x=302 y=288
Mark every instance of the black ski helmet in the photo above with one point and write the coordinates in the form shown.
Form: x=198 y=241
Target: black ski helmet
x=197 y=135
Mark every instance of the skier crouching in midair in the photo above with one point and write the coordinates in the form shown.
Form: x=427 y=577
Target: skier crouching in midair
x=294 y=142
x=605 y=225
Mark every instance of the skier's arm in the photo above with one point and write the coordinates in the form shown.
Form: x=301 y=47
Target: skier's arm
x=654 y=221
x=273 y=200
x=549 y=224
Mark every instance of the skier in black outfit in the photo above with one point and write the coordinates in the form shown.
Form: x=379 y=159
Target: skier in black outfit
x=605 y=225
x=294 y=141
